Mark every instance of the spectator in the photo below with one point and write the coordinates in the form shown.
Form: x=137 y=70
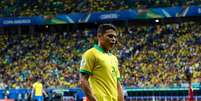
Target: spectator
x=13 y=8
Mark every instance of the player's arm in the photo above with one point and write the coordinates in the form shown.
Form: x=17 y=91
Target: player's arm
x=85 y=86
x=32 y=92
x=119 y=87
x=44 y=92
x=120 y=92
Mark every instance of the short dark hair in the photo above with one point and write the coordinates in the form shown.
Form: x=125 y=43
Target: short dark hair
x=103 y=27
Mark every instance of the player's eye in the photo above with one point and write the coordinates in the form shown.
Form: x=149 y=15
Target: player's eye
x=111 y=36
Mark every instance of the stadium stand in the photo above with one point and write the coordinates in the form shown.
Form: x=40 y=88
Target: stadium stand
x=151 y=56
x=15 y=8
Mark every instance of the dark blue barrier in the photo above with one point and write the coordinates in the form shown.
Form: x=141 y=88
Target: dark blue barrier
x=131 y=93
x=17 y=94
x=1 y=93
x=79 y=94
x=118 y=15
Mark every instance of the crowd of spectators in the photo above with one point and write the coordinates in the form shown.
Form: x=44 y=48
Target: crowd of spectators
x=156 y=56
x=13 y=8
x=149 y=56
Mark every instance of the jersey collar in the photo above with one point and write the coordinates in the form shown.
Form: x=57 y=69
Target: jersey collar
x=101 y=49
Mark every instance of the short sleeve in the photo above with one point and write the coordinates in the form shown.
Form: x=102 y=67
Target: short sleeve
x=117 y=72
x=117 y=68
x=87 y=62
x=34 y=85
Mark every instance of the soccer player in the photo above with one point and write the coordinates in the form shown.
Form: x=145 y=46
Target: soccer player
x=38 y=91
x=99 y=74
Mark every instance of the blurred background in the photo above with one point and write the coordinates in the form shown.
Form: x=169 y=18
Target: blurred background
x=159 y=39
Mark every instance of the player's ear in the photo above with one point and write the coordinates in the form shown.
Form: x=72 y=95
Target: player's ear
x=98 y=35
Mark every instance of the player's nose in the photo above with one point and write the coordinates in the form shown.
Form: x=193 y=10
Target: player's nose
x=113 y=40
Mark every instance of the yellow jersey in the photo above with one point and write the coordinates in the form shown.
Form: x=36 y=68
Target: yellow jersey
x=104 y=73
x=38 y=89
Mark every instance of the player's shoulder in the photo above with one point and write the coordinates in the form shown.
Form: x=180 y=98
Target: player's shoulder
x=90 y=51
x=34 y=84
x=114 y=57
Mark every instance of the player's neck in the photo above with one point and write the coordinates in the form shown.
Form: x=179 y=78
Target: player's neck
x=106 y=50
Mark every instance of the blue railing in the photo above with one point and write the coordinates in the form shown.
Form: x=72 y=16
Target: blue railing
x=131 y=94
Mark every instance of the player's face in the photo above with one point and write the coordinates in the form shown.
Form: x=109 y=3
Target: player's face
x=109 y=39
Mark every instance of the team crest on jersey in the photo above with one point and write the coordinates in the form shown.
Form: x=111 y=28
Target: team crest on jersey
x=113 y=71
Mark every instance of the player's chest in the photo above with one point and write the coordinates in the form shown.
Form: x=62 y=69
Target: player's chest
x=106 y=62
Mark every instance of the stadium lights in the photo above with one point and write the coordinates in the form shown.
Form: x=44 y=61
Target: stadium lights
x=157 y=20
x=46 y=26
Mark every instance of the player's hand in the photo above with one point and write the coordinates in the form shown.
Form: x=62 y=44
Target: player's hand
x=92 y=98
x=46 y=95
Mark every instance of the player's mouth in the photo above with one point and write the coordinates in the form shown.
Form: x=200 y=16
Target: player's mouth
x=112 y=43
